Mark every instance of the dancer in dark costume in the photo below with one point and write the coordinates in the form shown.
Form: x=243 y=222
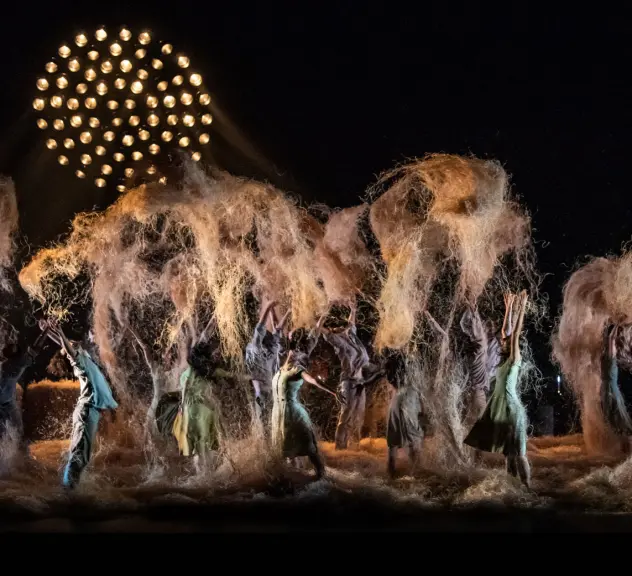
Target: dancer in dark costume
x=293 y=433
x=11 y=370
x=356 y=372
x=404 y=426
x=612 y=401
x=95 y=396
x=263 y=354
x=503 y=425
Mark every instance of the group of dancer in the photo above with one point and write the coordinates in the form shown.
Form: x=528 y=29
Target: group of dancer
x=278 y=362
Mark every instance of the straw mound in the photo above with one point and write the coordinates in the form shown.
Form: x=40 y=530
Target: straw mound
x=48 y=409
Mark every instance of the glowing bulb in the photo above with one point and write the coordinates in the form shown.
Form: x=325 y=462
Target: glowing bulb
x=167 y=49
x=177 y=80
x=125 y=35
x=144 y=38
x=205 y=99
x=169 y=101
x=195 y=79
x=118 y=157
x=81 y=88
x=151 y=101
x=106 y=169
x=94 y=122
x=172 y=119
x=167 y=136
x=163 y=180
x=56 y=101
x=62 y=82
x=151 y=170
x=100 y=35
x=196 y=156
x=81 y=40
x=144 y=135
x=113 y=104
x=69 y=143
x=86 y=159
x=93 y=55
x=108 y=136
x=51 y=144
x=120 y=188
x=100 y=151
x=184 y=141
x=140 y=53
x=142 y=74
x=136 y=87
x=186 y=98
x=126 y=66
x=64 y=51
x=62 y=160
x=102 y=88
x=129 y=172
x=51 y=67
x=115 y=49
x=75 y=121
x=204 y=138
x=80 y=174
x=74 y=65
x=42 y=84
x=72 y=103
x=207 y=119
x=157 y=64
x=119 y=83
x=90 y=103
x=58 y=124
x=162 y=86
x=85 y=137
x=106 y=67
x=154 y=149
x=183 y=62
x=41 y=123
x=130 y=104
x=188 y=120
x=153 y=120
x=134 y=120
x=117 y=121
x=128 y=140
x=39 y=104
x=90 y=74
x=100 y=183
x=136 y=156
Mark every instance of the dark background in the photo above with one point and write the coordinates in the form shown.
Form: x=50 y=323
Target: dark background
x=319 y=98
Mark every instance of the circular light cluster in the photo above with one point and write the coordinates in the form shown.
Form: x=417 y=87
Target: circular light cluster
x=118 y=104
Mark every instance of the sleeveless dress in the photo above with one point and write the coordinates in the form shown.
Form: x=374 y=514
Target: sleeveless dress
x=196 y=425
x=95 y=395
x=292 y=430
x=403 y=427
x=503 y=425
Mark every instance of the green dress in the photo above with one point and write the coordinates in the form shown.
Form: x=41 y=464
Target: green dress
x=612 y=401
x=292 y=430
x=196 y=426
x=503 y=425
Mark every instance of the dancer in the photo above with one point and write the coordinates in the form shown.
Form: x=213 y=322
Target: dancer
x=612 y=401
x=403 y=428
x=197 y=424
x=11 y=370
x=293 y=434
x=355 y=374
x=263 y=359
x=503 y=425
x=95 y=396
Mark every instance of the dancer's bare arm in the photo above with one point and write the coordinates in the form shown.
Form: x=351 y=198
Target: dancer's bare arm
x=352 y=315
x=515 y=336
x=507 y=321
x=266 y=310
x=612 y=342
x=311 y=380
x=279 y=327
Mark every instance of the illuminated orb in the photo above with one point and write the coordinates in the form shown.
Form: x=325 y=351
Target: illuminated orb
x=207 y=119
x=80 y=174
x=140 y=53
x=64 y=51
x=106 y=169
x=100 y=182
x=128 y=140
x=129 y=172
x=81 y=40
x=99 y=151
x=51 y=144
x=125 y=35
x=154 y=149
x=167 y=136
x=63 y=160
x=109 y=136
x=177 y=80
x=204 y=138
x=115 y=49
x=137 y=87
x=162 y=86
x=113 y=104
x=106 y=67
x=144 y=38
x=94 y=122
x=137 y=156
x=101 y=35
x=69 y=143
x=184 y=141
x=42 y=84
x=169 y=101
x=144 y=135
x=119 y=83
x=130 y=104
x=58 y=124
x=85 y=137
x=126 y=66
x=183 y=62
x=157 y=64
x=153 y=120
x=118 y=157
x=188 y=120
x=81 y=88
x=195 y=79
x=62 y=82
x=196 y=156
x=120 y=188
x=151 y=170
x=51 y=67
x=42 y=124
x=72 y=103
x=142 y=74
x=167 y=49
x=56 y=101
x=76 y=121
x=74 y=65
x=205 y=99
x=86 y=159
x=39 y=103
x=93 y=55
x=134 y=120
x=172 y=119
x=186 y=99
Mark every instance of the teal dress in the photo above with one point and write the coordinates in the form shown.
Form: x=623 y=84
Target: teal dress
x=612 y=401
x=95 y=395
x=503 y=426
x=292 y=430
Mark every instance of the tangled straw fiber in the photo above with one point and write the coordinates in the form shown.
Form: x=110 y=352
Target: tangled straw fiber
x=597 y=295
x=8 y=227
